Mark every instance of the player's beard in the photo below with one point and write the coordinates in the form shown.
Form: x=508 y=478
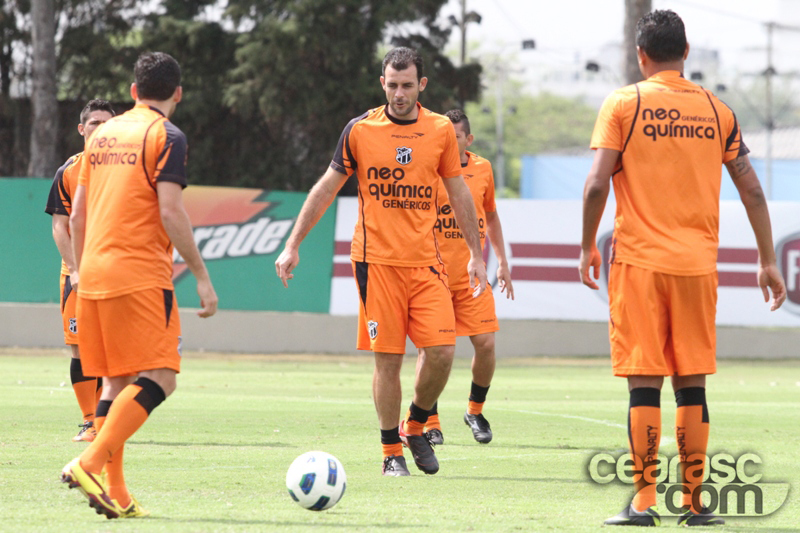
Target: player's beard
x=409 y=106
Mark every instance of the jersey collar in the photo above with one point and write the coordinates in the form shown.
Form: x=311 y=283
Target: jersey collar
x=397 y=120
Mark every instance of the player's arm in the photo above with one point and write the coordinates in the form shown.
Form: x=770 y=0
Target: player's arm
x=179 y=230
x=317 y=202
x=755 y=203
x=467 y=219
x=494 y=230
x=77 y=229
x=595 y=194
x=63 y=241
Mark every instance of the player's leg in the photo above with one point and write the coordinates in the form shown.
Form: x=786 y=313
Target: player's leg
x=433 y=427
x=431 y=325
x=639 y=331
x=382 y=329
x=84 y=387
x=694 y=341
x=483 y=365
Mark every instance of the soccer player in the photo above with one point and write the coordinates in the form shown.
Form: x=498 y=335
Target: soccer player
x=59 y=205
x=127 y=214
x=399 y=153
x=664 y=141
x=475 y=317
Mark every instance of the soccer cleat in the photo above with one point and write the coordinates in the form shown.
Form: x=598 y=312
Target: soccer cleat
x=421 y=450
x=434 y=436
x=631 y=517
x=479 y=426
x=133 y=510
x=704 y=518
x=395 y=465
x=87 y=432
x=92 y=486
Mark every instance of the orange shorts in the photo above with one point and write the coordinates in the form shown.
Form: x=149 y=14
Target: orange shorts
x=660 y=324
x=69 y=315
x=403 y=301
x=130 y=333
x=474 y=316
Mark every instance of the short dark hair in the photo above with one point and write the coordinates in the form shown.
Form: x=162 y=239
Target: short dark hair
x=401 y=58
x=156 y=75
x=457 y=116
x=661 y=35
x=96 y=105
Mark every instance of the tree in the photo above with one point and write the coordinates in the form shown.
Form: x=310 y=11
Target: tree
x=634 y=10
x=545 y=123
x=306 y=67
x=44 y=131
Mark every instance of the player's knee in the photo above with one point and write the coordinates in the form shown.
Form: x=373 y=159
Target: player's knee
x=484 y=345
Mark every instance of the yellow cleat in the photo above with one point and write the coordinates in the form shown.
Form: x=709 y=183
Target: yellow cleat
x=92 y=486
x=134 y=509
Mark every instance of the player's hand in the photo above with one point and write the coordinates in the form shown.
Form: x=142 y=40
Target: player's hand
x=285 y=263
x=770 y=279
x=590 y=259
x=504 y=277
x=208 y=298
x=74 y=278
x=477 y=276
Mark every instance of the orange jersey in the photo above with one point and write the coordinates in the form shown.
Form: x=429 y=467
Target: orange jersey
x=59 y=201
x=126 y=247
x=398 y=165
x=674 y=137
x=455 y=253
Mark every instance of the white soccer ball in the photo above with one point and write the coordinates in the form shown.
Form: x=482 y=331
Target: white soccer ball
x=316 y=480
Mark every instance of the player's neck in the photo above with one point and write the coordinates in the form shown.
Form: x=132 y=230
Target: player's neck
x=464 y=158
x=166 y=107
x=655 y=68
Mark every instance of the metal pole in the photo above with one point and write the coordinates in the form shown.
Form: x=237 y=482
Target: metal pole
x=500 y=166
x=770 y=120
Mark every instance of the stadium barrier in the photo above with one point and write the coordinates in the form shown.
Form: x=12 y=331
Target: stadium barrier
x=240 y=232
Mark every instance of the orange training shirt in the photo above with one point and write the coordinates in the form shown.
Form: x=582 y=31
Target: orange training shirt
x=398 y=165
x=674 y=137
x=59 y=201
x=127 y=248
x=455 y=253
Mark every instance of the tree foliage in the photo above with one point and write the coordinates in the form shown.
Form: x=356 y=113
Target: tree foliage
x=268 y=84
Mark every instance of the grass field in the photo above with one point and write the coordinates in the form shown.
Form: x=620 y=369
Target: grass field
x=213 y=457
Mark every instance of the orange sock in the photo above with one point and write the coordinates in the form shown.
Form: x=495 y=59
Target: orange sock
x=416 y=419
x=474 y=408
x=128 y=412
x=433 y=423
x=116 y=478
x=644 y=430
x=84 y=389
x=393 y=449
x=691 y=433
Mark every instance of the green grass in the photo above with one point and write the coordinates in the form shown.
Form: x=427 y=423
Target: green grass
x=214 y=456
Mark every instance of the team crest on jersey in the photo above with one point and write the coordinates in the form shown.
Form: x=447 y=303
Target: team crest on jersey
x=372 y=326
x=403 y=155
x=73 y=325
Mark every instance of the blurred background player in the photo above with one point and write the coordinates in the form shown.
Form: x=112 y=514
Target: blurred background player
x=127 y=215
x=664 y=141
x=59 y=205
x=475 y=317
x=398 y=152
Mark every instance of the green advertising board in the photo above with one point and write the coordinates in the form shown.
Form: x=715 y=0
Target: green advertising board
x=240 y=233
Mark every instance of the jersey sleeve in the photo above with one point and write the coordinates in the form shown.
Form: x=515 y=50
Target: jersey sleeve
x=608 y=127
x=489 y=204
x=450 y=160
x=171 y=162
x=59 y=201
x=734 y=145
x=344 y=159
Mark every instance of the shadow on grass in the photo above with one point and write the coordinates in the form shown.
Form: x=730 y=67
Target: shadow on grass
x=223 y=444
x=520 y=479
x=273 y=523
x=521 y=447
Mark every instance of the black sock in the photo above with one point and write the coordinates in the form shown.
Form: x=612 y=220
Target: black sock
x=477 y=393
x=151 y=394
